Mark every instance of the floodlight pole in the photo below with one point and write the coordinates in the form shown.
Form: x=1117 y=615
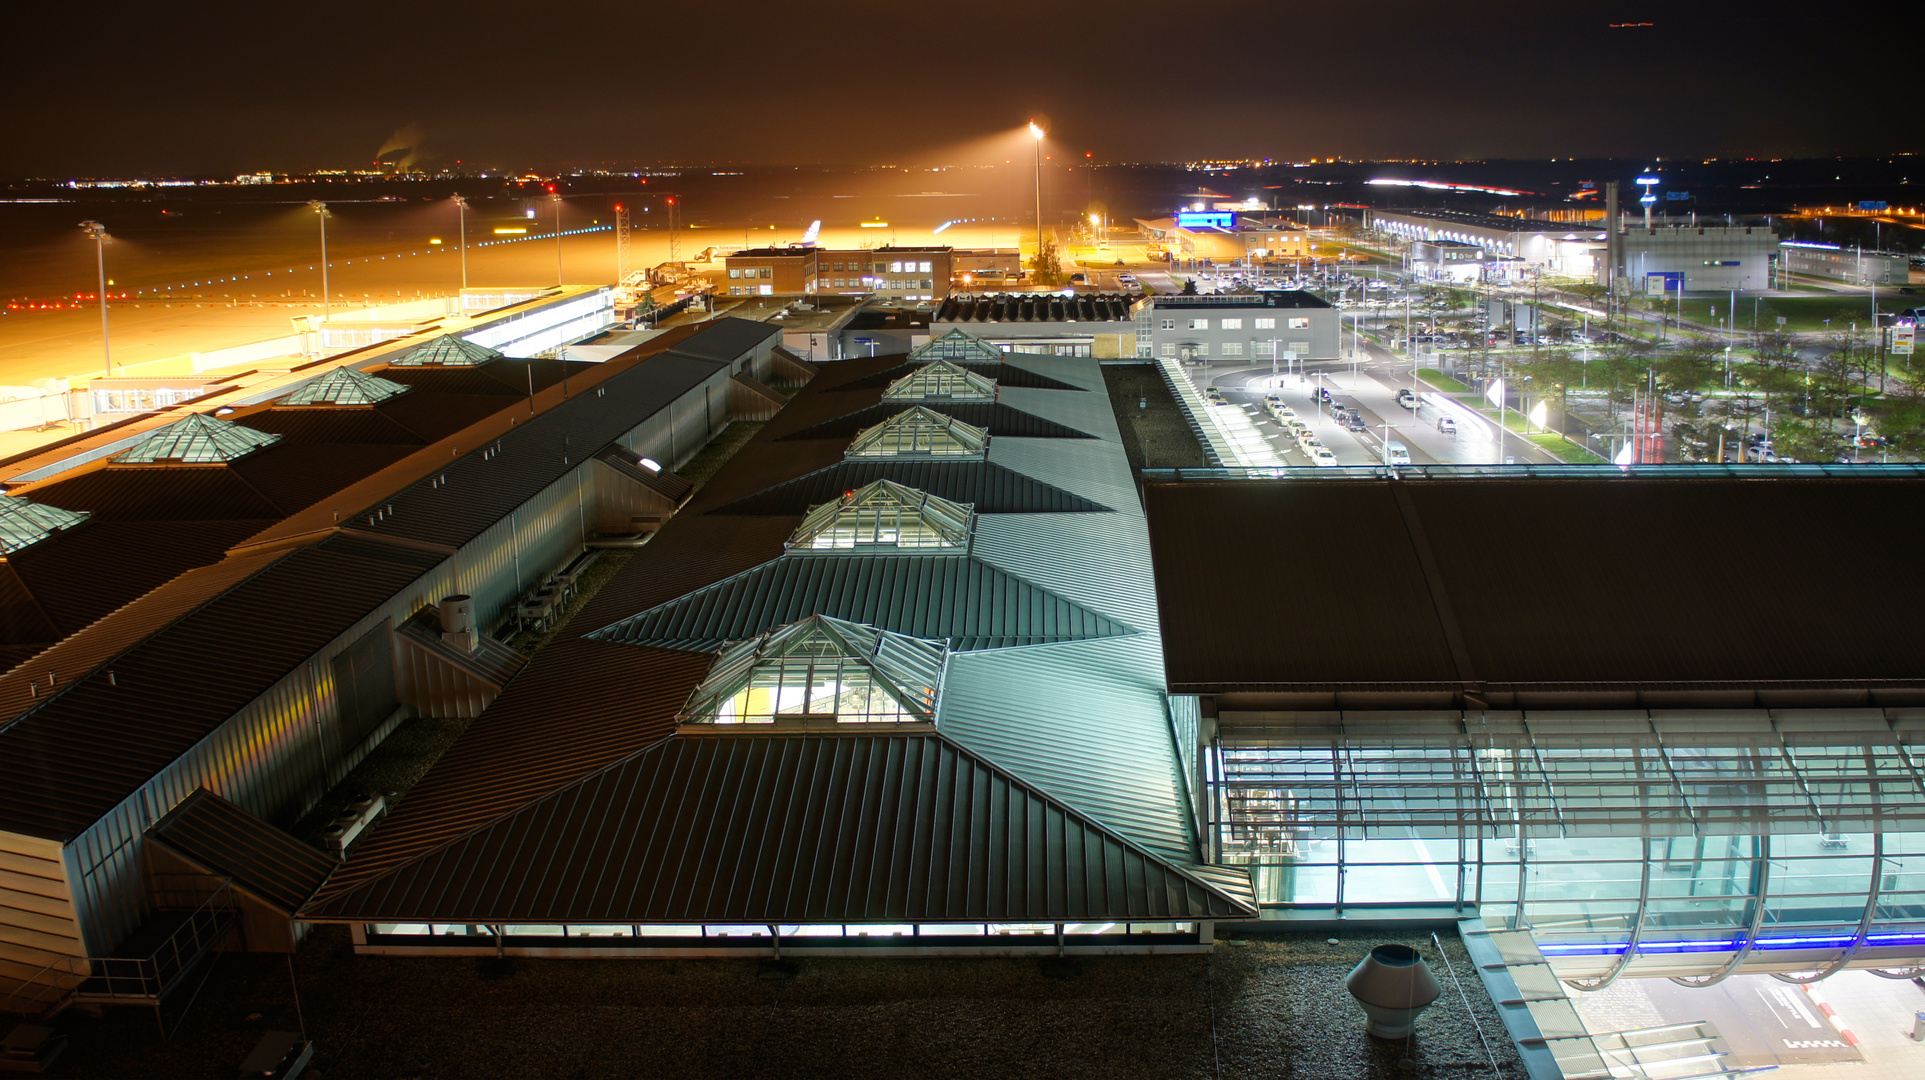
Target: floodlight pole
x=461 y=209
x=321 y=210
x=1037 y=132
x=558 y=272
x=98 y=234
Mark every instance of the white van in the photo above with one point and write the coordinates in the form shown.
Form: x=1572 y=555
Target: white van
x=1397 y=453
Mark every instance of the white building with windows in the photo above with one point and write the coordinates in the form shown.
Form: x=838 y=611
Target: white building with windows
x=1228 y=327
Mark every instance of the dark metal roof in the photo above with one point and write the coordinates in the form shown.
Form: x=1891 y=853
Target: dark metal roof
x=1001 y=374
x=481 y=489
x=726 y=340
x=1541 y=592
x=1036 y=307
x=233 y=843
x=83 y=574
x=158 y=493
x=788 y=829
x=182 y=660
x=619 y=699
x=328 y=424
x=668 y=484
x=296 y=477
x=999 y=419
x=968 y=601
x=993 y=488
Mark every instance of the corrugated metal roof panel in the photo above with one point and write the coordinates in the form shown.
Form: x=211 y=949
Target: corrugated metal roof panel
x=725 y=340
x=157 y=493
x=999 y=419
x=968 y=601
x=578 y=707
x=992 y=488
x=480 y=490
x=326 y=424
x=181 y=666
x=789 y=829
x=83 y=574
x=231 y=842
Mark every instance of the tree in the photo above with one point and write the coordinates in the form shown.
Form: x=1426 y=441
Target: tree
x=1047 y=264
x=1805 y=439
x=1189 y=287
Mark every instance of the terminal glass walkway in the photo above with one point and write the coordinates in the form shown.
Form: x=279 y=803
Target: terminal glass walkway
x=1681 y=844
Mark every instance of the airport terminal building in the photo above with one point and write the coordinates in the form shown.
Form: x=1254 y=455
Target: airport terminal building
x=923 y=668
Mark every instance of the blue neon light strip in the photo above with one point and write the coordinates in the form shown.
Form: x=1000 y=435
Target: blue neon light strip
x=1835 y=941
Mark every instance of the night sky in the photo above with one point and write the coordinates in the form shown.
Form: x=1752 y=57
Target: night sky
x=219 y=86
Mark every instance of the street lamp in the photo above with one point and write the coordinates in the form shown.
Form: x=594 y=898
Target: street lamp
x=461 y=208
x=321 y=210
x=1036 y=131
x=98 y=234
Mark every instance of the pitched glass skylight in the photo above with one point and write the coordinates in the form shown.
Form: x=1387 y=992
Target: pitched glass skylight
x=942 y=380
x=344 y=386
x=957 y=345
x=24 y=523
x=822 y=669
x=445 y=351
x=197 y=439
x=919 y=432
x=885 y=515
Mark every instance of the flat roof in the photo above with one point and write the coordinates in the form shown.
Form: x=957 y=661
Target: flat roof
x=1590 y=592
x=1273 y=298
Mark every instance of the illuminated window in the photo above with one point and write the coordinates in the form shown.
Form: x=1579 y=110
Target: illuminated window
x=735 y=271
x=1265 y=324
x=1169 y=324
x=822 y=669
x=1199 y=324
x=896 y=267
x=1232 y=348
x=925 y=267
x=1233 y=324
x=941 y=379
x=917 y=432
x=884 y=514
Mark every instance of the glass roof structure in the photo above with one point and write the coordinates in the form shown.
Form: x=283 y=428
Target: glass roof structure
x=822 y=669
x=445 y=351
x=886 y=515
x=196 y=439
x=344 y=386
x=920 y=432
x=941 y=380
x=1689 y=844
x=957 y=345
x=24 y=523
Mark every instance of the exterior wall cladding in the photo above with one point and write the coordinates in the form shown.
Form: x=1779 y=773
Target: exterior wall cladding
x=279 y=755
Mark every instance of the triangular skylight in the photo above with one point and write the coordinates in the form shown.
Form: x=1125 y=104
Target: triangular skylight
x=445 y=351
x=941 y=380
x=884 y=515
x=957 y=345
x=197 y=439
x=344 y=386
x=920 y=432
x=822 y=669
x=24 y=523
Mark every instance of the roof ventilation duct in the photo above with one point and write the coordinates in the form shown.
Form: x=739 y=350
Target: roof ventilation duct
x=458 y=621
x=1393 y=984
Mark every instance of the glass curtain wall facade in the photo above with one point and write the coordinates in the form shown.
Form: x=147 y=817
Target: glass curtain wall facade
x=1684 y=844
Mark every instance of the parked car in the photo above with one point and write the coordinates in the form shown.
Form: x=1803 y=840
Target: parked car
x=1355 y=422
x=1212 y=395
x=1322 y=457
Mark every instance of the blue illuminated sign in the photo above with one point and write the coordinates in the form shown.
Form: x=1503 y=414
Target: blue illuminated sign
x=1215 y=219
x=1874 y=205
